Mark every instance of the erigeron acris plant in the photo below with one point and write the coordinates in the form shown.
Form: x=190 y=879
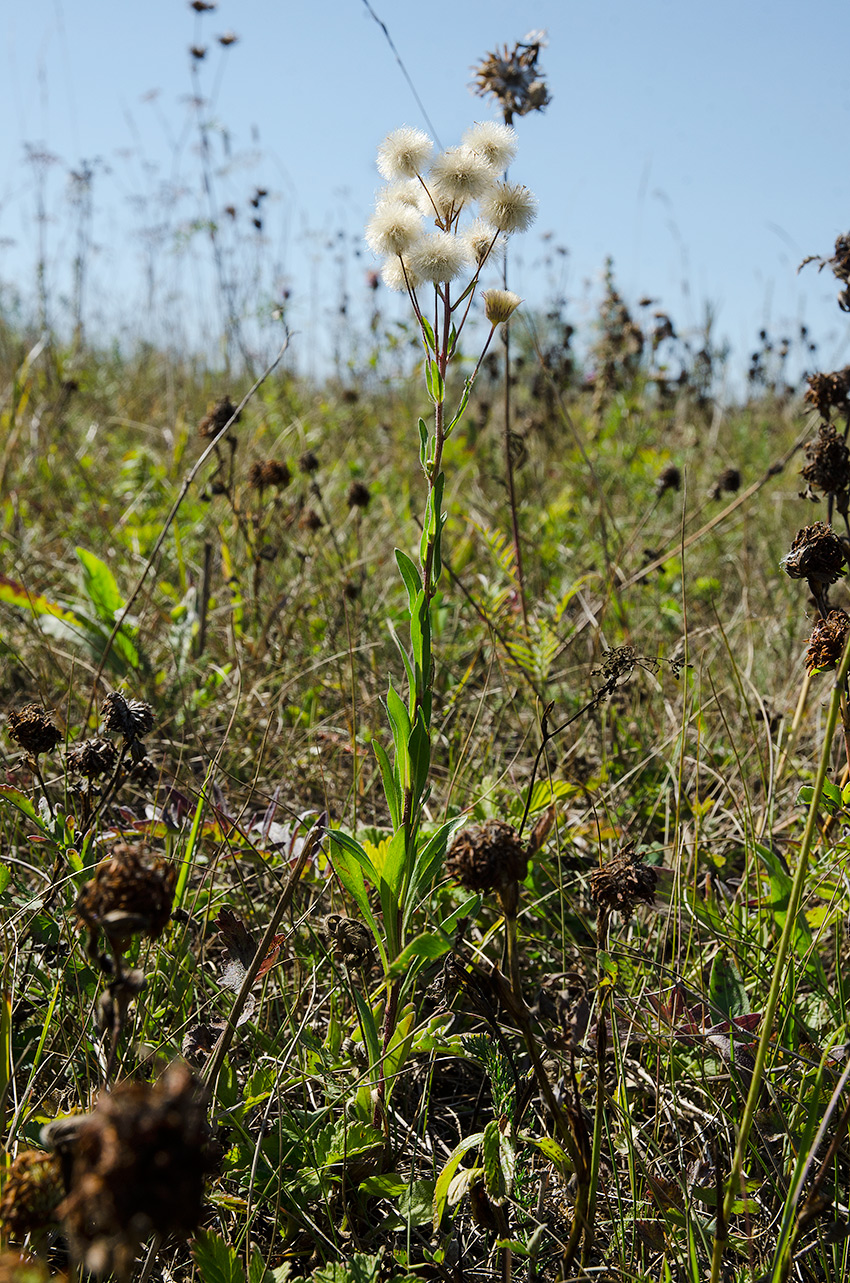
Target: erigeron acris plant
x=439 y=220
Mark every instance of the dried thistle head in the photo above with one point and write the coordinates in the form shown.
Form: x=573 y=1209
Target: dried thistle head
x=487 y=857
x=827 y=642
x=139 y=1164
x=728 y=482
x=34 y=730
x=827 y=466
x=512 y=77
x=129 y=894
x=309 y=462
x=669 y=478
x=828 y=392
x=92 y=758
x=269 y=472
x=217 y=418
x=817 y=554
x=359 y=495
x=132 y=718
x=32 y=1191
x=623 y=882
x=349 y=941
x=310 y=520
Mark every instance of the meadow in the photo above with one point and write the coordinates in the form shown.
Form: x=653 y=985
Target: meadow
x=425 y=808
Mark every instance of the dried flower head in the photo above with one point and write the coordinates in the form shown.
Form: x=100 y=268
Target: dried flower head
x=729 y=481
x=269 y=472
x=404 y=153
x=32 y=1191
x=131 y=718
x=827 y=642
x=393 y=228
x=487 y=857
x=622 y=882
x=139 y=1165
x=827 y=466
x=92 y=758
x=496 y=143
x=509 y=206
x=33 y=729
x=828 y=392
x=512 y=77
x=358 y=495
x=129 y=893
x=669 y=478
x=500 y=305
x=438 y=257
x=217 y=418
x=817 y=554
x=309 y=462
x=458 y=175
x=349 y=941
x=310 y=520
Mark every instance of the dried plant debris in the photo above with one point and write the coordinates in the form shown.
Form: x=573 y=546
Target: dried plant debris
x=131 y=893
x=827 y=392
x=349 y=941
x=32 y=1191
x=827 y=467
x=817 y=554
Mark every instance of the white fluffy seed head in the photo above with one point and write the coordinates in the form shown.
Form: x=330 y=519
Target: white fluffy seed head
x=393 y=228
x=496 y=143
x=393 y=276
x=404 y=153
x=500 y=305
x=483 y=242
x=405 y=191
x=438 y=257
x=510 y=207
x=460 y=175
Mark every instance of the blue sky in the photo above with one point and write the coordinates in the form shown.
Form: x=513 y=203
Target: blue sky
x=703 y=146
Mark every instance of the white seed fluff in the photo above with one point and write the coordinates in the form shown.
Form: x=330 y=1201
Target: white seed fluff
x=510 y=207
x=500 y=305
x=393 y=276
x=460 y=174
x=438 y=257
x=483 y=241
x=393 y=228
x=405 y=191
x=404 y=153
x=496 y=143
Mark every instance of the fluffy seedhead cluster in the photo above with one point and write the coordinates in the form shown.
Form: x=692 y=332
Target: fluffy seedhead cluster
x=139 y=1164
x=443 y=217
x=131 y=892
x=827 y=642
x=488 y=857
x=33 y=729
x=513 y=78
x=623 y=882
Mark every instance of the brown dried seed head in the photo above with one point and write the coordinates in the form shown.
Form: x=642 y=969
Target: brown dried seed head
x=33 y=729
x=669 y=478
x=827 y=466
x=817 y=554
x=139 y=1166
x=131 y=718
x=129 y=894
x=358 y=495
x=349 y=940
x=216 y=418
x=31 y=1194
x=729 y=481
x=310 y=520
x=826 y=644
x=487 y=857
x=92 y=758
x=829 y=391
x=622 y=882
x=309 y=462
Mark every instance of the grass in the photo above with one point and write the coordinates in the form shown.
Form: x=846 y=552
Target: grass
x=548 y=1076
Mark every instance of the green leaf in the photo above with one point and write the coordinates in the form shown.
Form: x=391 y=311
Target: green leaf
x=16 y=594
x=349 y=861
x=391 y=789
x=425 y=947
x=726 y=987
x=101 y=586
x=258 y=1271
x=217 y=1262
x=430 y=341
x=400 y=723
x=410 y=575
x=423 y=444
x=499 y=1158
x=22 y=803
x=5 y=877
x=550 y=1149
x=444 y=1180
x=419 y=748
